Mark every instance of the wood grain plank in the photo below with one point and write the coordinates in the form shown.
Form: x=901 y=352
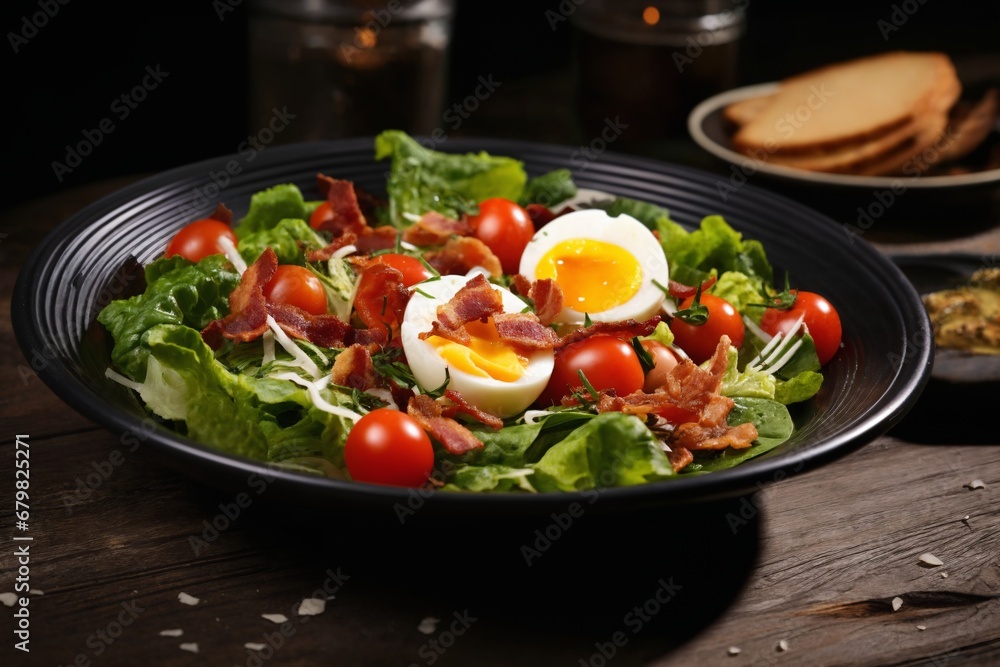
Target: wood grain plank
x=822 y=576
x=829 y=569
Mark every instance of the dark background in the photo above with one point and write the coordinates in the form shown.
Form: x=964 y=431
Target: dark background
x=64 y=79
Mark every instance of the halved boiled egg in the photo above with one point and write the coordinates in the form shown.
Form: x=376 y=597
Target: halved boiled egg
x=604 y=265
x=487 y=372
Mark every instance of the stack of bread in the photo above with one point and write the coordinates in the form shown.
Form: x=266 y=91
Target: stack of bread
x=887 y=114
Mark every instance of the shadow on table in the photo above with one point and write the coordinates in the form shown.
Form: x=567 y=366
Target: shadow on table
x=952 y=413
x=646 y=581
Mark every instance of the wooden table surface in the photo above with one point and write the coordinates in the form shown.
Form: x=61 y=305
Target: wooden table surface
x=802 y=572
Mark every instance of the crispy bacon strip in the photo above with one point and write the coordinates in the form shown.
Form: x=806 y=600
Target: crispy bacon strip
x=621 y=329
x=461 y=254
x=370 y=203
x=682 y=291
x=377 y=337
x=463 y=406
x=354 y=368
x=545 y=294
x=327 y=251
x=698 y=437
x=541 y=215
x=693 y=391
x=679 y=457
x=548 y=298
x=323 y=330
x=347 y=215
x=524 y=331
x=377 y=238
x=691 y=387
x=434 y=228
x=521 y=284
x=380 y=297
x=476 y=300
x=222 y=214
x=454 y=437
x=248 y=309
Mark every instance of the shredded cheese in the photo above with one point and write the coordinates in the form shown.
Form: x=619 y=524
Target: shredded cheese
x=532 y=416
x=344 y=252
x=233 y=255
x=385 y=395
x=314 y=395
x=121 y=379
x=268 y=342
x=307 y=364
x=757 y=331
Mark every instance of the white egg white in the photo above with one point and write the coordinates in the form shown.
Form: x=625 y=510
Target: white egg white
x=504 y=399
x=623 y=231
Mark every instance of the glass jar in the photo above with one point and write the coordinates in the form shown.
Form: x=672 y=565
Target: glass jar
x=346 y=68
x=648 y=63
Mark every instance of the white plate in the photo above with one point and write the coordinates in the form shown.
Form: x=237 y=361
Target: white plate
x=711 y=131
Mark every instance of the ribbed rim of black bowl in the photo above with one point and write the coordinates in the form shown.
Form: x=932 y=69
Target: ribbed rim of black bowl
x=888 y=311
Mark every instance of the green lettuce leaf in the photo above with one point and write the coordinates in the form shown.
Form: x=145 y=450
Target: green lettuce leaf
x=648 y=214
x=661 y=333
x=284 y=238
x=177 y=292
x=271 y=206
x=259 y=417
x=715 y=245
x=549 y=189
x=218 y=407
x=493 y=477
x=421 y=179
x=799 y=379
x=338 y=281
x=740 y=290
x=800 y=388
x=754 y=384
x=612 y=449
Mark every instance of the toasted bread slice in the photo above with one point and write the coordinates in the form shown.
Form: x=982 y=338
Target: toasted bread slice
x=927 y=145
x=885 y=154
x=850 y=158
x=970 y=125
x=742 y=112
x=847 y=103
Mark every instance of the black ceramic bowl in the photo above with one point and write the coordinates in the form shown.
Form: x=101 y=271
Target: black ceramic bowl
x=871 y=383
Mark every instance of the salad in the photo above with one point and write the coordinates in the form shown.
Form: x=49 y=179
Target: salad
x=471 y=329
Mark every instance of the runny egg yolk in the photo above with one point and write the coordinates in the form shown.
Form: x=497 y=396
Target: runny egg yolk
x=485 y=355
x=594 y=276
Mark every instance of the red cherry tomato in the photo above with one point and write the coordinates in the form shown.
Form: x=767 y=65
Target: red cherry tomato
x=412 y=268
x=505 y=228
x=387 y=446
x=699 y=341
x=606 y=361
x=297 y=286
x=321 y=215
x=819 y=316
x=200 y=239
